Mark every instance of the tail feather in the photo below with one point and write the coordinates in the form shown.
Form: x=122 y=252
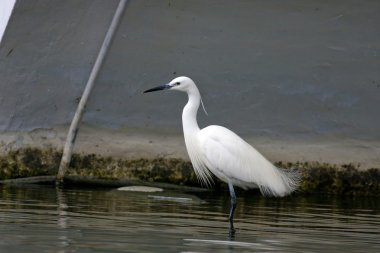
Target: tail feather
x=287 y=181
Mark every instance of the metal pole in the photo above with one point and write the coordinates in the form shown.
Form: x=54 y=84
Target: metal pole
x=71 y=136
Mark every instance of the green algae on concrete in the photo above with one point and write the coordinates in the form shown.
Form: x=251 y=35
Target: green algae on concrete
x=333 y=179
x=29 y=162
x=317 y=178
x=175 y=171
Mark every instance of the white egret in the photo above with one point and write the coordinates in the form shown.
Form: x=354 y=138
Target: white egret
x=219 y=151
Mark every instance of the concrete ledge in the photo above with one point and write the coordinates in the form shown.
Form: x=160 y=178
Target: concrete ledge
x=96 y=170
x=136 y=143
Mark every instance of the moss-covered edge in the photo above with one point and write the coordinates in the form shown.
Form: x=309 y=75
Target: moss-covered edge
x=316 y=177
x=336 y=179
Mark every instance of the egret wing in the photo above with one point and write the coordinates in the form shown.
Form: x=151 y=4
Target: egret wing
x=232 y=159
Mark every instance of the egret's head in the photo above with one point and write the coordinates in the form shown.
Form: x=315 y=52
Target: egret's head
x=181 y=83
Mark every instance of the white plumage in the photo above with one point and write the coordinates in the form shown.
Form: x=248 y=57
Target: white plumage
x=219 y=151
x=233 y=160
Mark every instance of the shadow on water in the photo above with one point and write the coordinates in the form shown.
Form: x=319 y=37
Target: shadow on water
x=46 y=219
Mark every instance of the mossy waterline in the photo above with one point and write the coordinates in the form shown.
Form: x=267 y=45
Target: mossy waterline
x=317 y=178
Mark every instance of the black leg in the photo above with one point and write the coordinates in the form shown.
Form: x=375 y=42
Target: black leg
x=232 y=210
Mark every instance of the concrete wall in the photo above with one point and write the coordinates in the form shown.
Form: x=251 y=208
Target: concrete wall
x=265 y=68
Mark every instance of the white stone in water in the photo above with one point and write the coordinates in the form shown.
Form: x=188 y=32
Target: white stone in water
x=169 y=198
x=140 y=188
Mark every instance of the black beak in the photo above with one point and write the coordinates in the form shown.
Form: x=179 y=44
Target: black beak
x=161 y=87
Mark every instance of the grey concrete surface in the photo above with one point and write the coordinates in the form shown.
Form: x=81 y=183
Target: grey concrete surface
x=296 y=70
x=46 y=56
x=136 y=143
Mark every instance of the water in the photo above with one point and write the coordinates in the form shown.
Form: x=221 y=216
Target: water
x=43 y=219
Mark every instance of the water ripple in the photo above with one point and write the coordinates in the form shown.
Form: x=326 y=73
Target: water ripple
x=42 y=219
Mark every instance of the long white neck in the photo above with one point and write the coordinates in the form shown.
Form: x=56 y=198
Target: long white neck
x=189 y=114
x=190 y=131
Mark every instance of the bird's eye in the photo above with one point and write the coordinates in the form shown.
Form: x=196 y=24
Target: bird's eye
x=177 y=83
